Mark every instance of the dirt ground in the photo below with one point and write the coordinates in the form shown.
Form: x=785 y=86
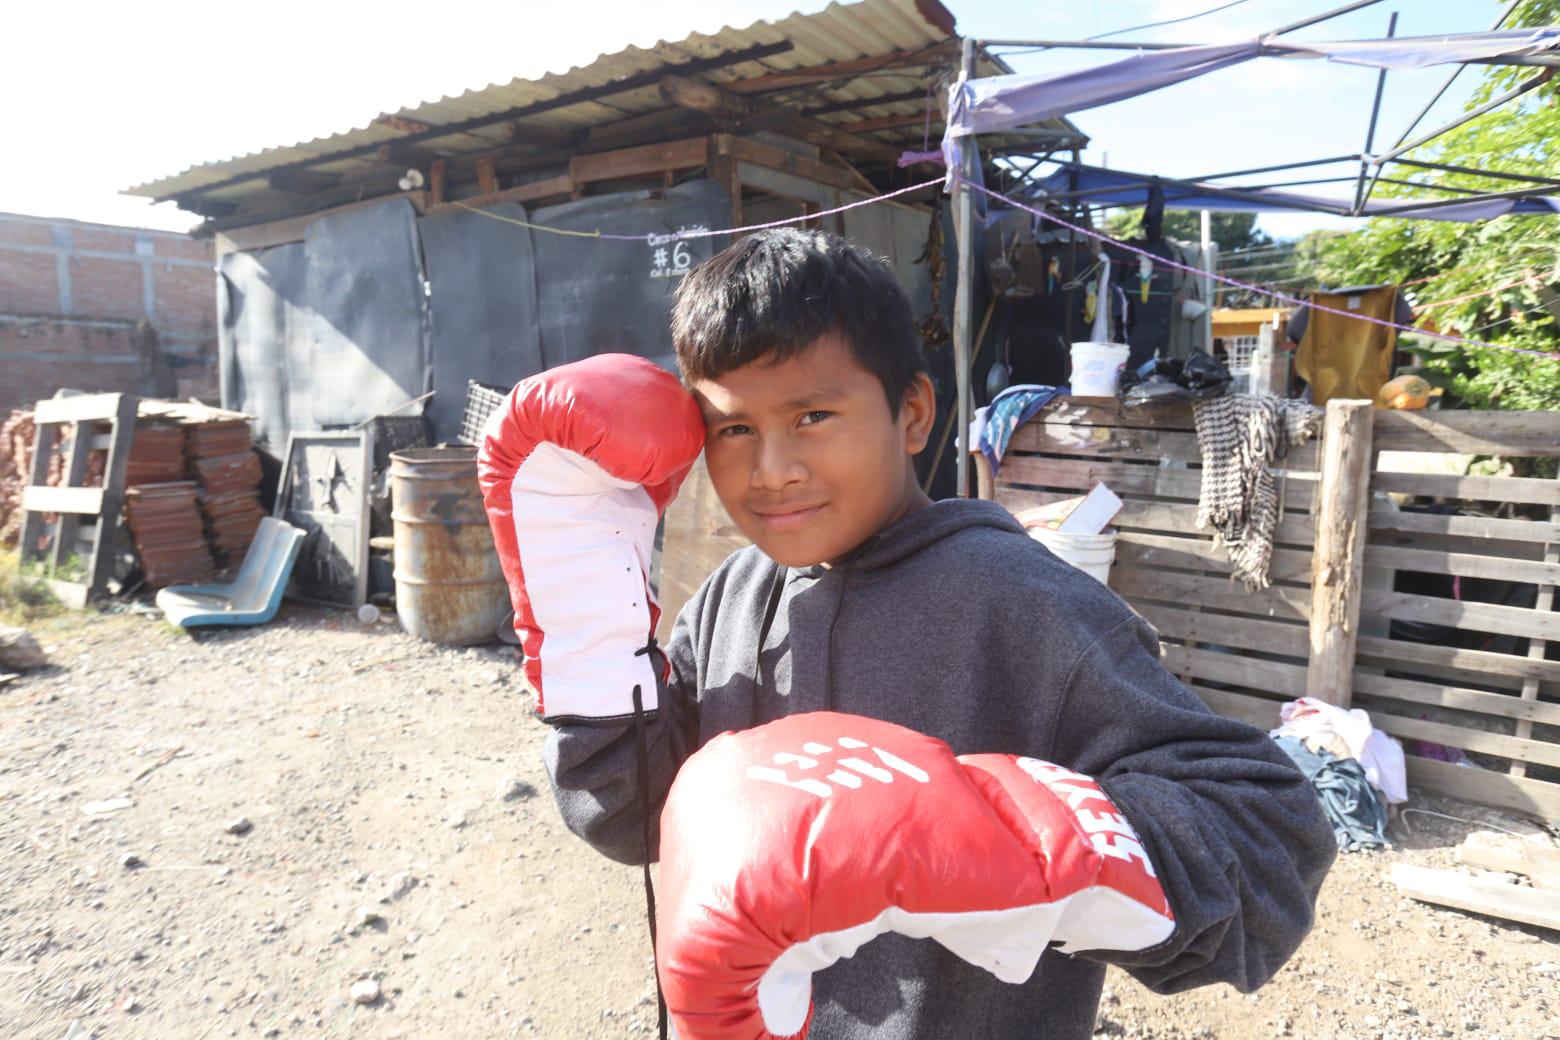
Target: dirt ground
x=313 y=803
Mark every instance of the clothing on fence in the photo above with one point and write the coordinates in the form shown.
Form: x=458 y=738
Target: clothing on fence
x=1007 y=412
x=1240 y=436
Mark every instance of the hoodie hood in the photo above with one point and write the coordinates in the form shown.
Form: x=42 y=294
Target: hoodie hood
x=914 y=532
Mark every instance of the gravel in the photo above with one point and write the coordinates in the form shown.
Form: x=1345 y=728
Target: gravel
x=350 y=750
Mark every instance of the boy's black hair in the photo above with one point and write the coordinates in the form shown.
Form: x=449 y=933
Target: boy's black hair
x=772 y=294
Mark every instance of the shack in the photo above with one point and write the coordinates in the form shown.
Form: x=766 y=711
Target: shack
x=470 y=238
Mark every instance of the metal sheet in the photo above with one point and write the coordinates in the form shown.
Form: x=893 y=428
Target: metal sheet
x=596 y=296
x=483 y=311
x=367 y=335
x=259 y=309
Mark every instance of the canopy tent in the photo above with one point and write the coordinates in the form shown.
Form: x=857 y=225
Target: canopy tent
x=1095 y=186
x=992 y=103
x=1008 y=102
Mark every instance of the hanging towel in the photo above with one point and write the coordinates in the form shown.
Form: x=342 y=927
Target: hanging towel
x=1007 y=412
x=1240 y=435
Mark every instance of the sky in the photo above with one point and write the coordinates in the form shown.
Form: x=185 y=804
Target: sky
x=102 y=96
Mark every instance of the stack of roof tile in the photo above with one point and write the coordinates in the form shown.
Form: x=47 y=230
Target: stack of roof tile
x=156 y=454
x=165 y=525
x=223 y=462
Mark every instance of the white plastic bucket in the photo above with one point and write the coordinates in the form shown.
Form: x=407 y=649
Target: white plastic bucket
x=1090 y=553
x=1096 y=368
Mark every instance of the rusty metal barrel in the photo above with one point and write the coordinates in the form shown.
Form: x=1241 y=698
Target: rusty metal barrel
x=448 y=585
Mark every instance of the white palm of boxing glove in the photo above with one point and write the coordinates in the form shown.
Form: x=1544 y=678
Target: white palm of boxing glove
x=576 y=467
x=789 y=846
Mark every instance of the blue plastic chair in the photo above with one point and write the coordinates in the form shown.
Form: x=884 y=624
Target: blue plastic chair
x=250 y=599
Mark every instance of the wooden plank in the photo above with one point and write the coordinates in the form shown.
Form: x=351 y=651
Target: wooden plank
x=1239 y=669
x=1467 y=565
x=773 y=158
x=291 y=229
x=1338 y=566
x=436 y=182
x=44 y=436
x=1082 y=474
x=1488 y=896
x=1118 y=442
x=1535 y=797
x=72 y=594
x=1471 y=433
x=1487 y=850
x=1477 y=489
x=1254 y=711
x=1093 y=411
x=1464 y=737
x=114 y=470
x=75 y=471
x=1464 y=526
x=1502 y=705
x=487 y=174
x=1180 y=622
x=1153 y=550
x=686 y=154
x=1293 y=529
x=76 y=409
x=1402 y=654
x=83 y=501
x=1112 y=441
x=1279 y=601
x=1480 y=617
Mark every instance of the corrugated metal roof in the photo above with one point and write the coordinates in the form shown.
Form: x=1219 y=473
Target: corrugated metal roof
x=839 y=33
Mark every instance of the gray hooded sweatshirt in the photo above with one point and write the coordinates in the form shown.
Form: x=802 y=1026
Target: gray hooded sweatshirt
x=955 y=623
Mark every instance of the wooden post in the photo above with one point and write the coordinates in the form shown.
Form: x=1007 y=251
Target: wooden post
x=1338 y=565
x=964 y=289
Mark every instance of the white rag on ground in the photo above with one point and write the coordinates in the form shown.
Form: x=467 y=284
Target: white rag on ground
x=1316 y=723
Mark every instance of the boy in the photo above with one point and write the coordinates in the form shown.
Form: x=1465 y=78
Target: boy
x=858 y=595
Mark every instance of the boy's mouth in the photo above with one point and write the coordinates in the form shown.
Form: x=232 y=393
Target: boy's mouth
x=786 y=518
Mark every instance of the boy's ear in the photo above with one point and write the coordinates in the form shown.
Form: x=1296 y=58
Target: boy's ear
x=918 y=409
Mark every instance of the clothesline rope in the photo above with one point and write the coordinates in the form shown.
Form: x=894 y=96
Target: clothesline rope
x=955 y=176
x=653 y=237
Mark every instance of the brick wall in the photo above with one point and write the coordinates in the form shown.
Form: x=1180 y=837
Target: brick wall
x=71 y=294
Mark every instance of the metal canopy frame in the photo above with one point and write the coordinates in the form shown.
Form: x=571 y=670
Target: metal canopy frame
x=1372 y=169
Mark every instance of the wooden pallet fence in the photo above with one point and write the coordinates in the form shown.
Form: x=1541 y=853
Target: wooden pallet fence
x=1470 y=662
x=1427 y=598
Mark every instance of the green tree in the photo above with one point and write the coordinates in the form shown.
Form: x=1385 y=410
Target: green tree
x=1502 y=274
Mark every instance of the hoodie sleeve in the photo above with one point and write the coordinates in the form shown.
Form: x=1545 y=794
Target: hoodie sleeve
x=594 y=767
x=1235 y=832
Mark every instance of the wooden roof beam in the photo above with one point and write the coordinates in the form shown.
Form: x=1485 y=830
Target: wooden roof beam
x=941 y=53
x=747 y=115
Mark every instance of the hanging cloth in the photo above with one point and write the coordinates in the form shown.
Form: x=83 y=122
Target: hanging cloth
x=1099 y=332
x=1240 y=436
x=1344 y=357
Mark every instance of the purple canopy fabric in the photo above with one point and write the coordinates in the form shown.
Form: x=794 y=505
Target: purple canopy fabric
x=1002 y=102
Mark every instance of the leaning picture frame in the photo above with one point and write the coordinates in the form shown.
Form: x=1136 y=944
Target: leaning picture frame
x=325 y=489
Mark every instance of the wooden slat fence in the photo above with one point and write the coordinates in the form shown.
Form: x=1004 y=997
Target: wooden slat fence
x=1455 y=638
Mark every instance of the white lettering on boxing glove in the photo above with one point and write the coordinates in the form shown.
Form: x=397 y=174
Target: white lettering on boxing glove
x=1109 y=832
x=850 y=780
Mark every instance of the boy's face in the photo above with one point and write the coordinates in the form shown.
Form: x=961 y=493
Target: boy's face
x=805 y=454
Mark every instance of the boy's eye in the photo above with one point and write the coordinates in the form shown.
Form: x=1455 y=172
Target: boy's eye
x=815 y=417
x=734 y=430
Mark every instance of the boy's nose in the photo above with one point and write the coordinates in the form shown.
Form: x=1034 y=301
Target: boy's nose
x=776 y=466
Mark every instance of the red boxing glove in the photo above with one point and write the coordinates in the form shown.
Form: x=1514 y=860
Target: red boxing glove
x=789 y=846
x=575 y=467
